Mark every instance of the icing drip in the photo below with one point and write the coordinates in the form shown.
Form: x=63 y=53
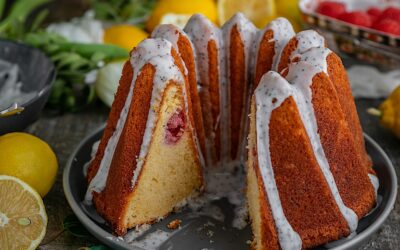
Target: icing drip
x=318 y=58
x=200 y=30
x=375 y=183
x=282 y=33
x=171 y=33
x=270 y=94
x=247 y=32
x=306 y=110
x=308 y=39
x=150 y=51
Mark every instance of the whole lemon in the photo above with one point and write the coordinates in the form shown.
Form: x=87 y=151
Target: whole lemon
x=205 y=7
x=30 y=159
x=124 y=35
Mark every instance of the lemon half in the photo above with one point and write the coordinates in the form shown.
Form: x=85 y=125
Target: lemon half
x=23 y=218
x=163 y=7
x=260 y=12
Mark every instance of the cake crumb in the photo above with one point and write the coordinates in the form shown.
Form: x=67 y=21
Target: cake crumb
x=174 y=224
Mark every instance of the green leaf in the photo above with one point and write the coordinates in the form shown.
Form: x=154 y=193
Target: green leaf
x=2 y=5
x=87 y=50
x=39 y=20
x=19 y=12
x=72 y=225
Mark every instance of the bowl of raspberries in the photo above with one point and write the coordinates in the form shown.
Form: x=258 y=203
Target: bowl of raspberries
x=369 y=29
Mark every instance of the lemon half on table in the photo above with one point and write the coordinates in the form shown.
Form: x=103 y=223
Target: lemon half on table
x=23 y=218
x=260 y=12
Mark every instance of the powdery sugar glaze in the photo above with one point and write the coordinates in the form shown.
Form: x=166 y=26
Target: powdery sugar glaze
x=201 y=31
x=308 y=39
x=247 y=32
x=282 y=32
x=300 y=75
x=272 y=91
x=150 y=51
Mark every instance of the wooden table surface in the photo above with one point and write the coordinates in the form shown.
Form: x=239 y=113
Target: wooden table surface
x=64 y=133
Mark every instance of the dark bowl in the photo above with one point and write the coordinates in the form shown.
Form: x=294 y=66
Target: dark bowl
x=37 y=73
x=224 y=236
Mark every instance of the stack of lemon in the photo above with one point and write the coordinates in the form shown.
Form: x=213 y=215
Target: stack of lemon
x=28 y=168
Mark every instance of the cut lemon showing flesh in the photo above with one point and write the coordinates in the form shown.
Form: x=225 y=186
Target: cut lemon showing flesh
x=178 y=20
x=260 y=12
x=163 y=7
x=23 y=218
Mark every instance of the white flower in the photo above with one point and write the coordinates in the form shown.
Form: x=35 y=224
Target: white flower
x=107 y=81
x=83 y=29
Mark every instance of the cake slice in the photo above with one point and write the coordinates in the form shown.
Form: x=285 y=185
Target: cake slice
x=148 y=160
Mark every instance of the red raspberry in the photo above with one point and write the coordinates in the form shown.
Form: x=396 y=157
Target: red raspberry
x=388 y=26
x=391 y=13
x=331 y=9
x=175 y=127
x=357 y=17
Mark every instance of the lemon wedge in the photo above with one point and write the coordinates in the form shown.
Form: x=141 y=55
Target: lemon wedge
x=163 y=7
x=23 y=218
x=178 y=20
x=260 y=12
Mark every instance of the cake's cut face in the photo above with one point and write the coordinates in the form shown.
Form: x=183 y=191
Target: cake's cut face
x=171 y=169
x=184 y=47
x=186 y=95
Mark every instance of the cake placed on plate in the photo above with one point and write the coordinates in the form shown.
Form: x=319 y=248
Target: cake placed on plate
x=183 y=104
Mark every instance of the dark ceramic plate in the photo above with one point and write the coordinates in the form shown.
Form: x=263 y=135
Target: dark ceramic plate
x=37 y=74
x=202 y=232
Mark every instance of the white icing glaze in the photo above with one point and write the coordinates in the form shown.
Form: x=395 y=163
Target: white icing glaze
x=318 y=58
x=171 y=33
x=300 y=75
x=375 y=183
x=156 y=52
x=200 y=30
x=247 y=32
x=273 y=87
x=282 y=33
x=308 y=39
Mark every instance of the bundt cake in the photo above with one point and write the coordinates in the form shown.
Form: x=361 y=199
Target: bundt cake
x=183 y=104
